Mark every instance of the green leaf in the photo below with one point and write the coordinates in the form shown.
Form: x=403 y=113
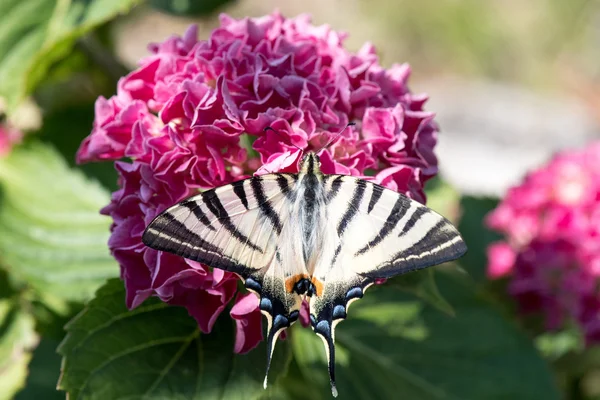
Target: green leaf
x=394 y=346
x=578 y=362
x=554 y=345
x=67 y=138
x=476 y=235
x=44 y=370
x=37 y=33
x=52 y=236
x=17 y=339
x=157 y=352
x=189 y=7
x=444 y=199
x=422 y=284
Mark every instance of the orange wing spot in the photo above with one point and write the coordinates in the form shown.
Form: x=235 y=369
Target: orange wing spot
x=318 y=286
x=292 y=280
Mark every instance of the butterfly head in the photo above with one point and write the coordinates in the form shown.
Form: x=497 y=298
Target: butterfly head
x=310 y=163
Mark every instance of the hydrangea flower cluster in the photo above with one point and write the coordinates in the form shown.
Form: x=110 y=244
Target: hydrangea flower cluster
x=193 y=115
x=552 y=248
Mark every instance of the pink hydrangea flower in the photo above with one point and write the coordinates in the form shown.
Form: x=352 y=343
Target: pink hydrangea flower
x=552 y=248
x=9 y=136
x=188 y=117
x=501 y=259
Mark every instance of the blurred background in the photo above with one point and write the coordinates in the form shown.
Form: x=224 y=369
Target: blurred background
x=506 y=78
x=513 y=79
x=512 y=82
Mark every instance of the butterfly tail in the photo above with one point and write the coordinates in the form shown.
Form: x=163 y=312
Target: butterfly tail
x=275 y=326
x=271 y=340
x=325 y=329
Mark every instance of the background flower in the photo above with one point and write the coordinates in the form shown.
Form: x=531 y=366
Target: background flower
x=551 y=250
x=9 y=136
x=189 y=116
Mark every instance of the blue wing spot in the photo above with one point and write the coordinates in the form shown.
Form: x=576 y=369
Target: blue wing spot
x=253 y=285
x=294 y=315
x=354 y=293
x=266 y=305
x=323 y=328
x=280 y=322
x=339 y=312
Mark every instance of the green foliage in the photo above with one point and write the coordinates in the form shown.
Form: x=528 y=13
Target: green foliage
x=44 y=370
x=36 y=33
x=472 y=38
x=157 y=352
x=444 y=199
x=17 y=338
x=423 y=285
x=189 y=7
x=80 y=119
x=52 y=237
x=393 y=346
x=476 y=235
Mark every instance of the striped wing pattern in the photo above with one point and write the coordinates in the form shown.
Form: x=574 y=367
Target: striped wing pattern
x=242 y=228
x=374 y=233
x=233 y=227
x=307 y=235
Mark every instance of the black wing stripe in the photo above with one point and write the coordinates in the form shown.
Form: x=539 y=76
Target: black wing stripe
x=166 y=233
x=238 y=189
x=214 y=205
x=357 y=196
x=375 y=196
x=194 y=207
x=398 y=211
x=432 y=242
x=437 y=246
x=413 y=220
x=336 y=254
x=284 y=185
x=335 y=188
x=265 y=205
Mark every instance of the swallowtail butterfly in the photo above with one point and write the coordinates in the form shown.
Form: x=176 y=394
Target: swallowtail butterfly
x=290 y=237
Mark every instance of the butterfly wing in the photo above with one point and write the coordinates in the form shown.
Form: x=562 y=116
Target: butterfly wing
x=373 y=232
x=238 y=228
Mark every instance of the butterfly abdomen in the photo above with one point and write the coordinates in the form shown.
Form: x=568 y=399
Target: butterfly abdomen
x=310 y=208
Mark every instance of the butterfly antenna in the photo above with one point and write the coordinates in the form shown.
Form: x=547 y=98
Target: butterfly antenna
x=335 y=137
x=268 y=128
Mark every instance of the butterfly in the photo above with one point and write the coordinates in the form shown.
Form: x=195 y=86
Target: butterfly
x=291 y=237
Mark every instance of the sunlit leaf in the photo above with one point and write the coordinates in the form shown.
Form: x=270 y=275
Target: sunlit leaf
x=34 y=34
x=52 y=236
x=157 y=352
x=395 y=346
x=17 y=340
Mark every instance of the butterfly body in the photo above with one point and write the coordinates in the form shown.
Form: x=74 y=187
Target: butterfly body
x=309 y=200
x=306 y=236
